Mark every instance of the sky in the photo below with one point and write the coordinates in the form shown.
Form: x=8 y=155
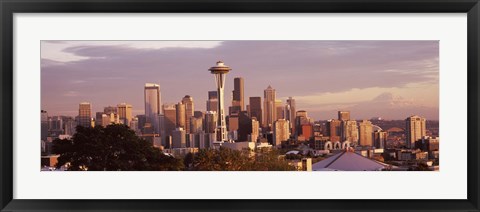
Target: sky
x=387 y=79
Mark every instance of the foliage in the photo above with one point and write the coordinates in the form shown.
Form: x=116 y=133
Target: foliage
x=113 y=148
x=224 y=159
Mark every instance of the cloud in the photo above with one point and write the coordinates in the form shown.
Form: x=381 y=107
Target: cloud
x=314 y=72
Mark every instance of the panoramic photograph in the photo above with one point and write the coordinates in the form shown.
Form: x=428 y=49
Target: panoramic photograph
x=240 y=105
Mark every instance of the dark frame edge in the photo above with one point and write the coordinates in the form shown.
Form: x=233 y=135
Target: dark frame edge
x=473 y=26
x=6 y=107
x=6 y=131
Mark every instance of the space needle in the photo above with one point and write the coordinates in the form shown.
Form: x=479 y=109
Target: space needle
x=220 y=71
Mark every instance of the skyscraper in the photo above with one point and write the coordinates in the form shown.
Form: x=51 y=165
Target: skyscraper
x=281 y=131
x=44 y=125
x=125 y=113
x=333 y=128
x=256 y=108
x=280 y=109
x=152 y=105
x=210 y=124
x=212 y=101
x=380 y=139
x=255 y=130
x=270 y=113
x=366 y=133
x=180 y=109
x=85 y=114
x=220 y=71
x=170 y=119
x=189 y=109
x=349 y=131
x=179 y=139
x=290 y=112
x=415 y=129
x=238 y=99
x=343 y=115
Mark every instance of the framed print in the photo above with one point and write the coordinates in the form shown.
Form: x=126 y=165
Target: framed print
x=256 y=106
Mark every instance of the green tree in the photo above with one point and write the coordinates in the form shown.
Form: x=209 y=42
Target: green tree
x=113 y=148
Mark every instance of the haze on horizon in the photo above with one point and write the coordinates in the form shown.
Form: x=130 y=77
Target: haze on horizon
x=388 y=79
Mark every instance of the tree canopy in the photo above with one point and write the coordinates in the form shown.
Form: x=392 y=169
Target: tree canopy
x=111 y=148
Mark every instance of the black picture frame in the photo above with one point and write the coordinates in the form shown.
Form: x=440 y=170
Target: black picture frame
x=9 y=7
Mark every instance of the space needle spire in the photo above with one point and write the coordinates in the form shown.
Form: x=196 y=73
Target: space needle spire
x=220 y=71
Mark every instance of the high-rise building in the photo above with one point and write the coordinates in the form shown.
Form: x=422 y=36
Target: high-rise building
x=366 y=133
x=349 y=131
x=110 y=109
x=124 y=111
x=415 y=129
x=196 y=125
x=170 y=119
x=189 y=109
x=220 y=71
x=290 y=112
x=281 y=131
x=343 y=115
x=380 y=139
x=301 y=118
x=244 y=126
x=179 y=139
x=255 y=130
x=233 y=123
x=269 y=112
x=152 y=105
x=334 y=129
x=256 y=108
x=238 y=99
x=44 y=125
x=69 y=126
x=307 y=131
x=85 y=114
x=210 y=123
x=181 y=121
x=280 y=110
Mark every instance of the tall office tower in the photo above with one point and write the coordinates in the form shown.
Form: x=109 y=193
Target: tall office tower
x=98 y=118
x=124 y=111
x=134 y=125
x=238 y=99
x=333 y=128
x=415 y=129
x=290 y=112
x=366 y=133
x=280 y=110
x=196 y=125
x=256 y=108
x=179 y=139
x=281 y=131
x=44 y=125
x=255 y=130
x=232 y=123
x=343 y=115
x=269 y=112
x=198 y=114
x=244 y=126
x=301 y=118
x=110 y=109
x=380 y=139
x=85 y=114
x=170 y=118
x=212 y=101
x=69 y=126
x=307 y=131
x=220 y=71
x=189 y=109
x=210 y=124
x=152 y=105
x=180 y=109
x=349 y=131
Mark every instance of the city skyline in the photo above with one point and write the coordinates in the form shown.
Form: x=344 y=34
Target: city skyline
x=399 y=80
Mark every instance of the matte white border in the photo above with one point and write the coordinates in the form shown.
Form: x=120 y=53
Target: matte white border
x=449 y=183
